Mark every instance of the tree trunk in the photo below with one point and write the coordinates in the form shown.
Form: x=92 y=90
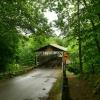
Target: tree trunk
x=79 y=37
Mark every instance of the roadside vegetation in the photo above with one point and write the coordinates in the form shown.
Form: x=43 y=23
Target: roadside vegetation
x=56 y=91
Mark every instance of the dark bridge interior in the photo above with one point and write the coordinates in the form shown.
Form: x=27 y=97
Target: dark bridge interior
x=50 y=61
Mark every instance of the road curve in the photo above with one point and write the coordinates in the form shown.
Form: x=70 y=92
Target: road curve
x=32 y=86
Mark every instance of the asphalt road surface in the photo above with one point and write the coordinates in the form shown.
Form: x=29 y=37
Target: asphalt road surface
x=34 y=85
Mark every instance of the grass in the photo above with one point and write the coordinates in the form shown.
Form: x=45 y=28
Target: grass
x=55 y=93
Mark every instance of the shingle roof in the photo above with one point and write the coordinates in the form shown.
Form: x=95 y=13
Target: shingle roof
x=60 y=48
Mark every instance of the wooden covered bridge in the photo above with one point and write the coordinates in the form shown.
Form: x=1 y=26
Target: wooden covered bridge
x=52 y=55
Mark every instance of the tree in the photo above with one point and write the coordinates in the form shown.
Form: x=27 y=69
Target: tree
x=79 y=36
x=25 y=14
x=87 y=38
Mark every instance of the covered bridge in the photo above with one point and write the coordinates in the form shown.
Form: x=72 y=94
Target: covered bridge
x=51 y=55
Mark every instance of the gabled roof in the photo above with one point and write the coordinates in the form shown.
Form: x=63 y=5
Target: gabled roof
x=59 y=47
x=56 y=46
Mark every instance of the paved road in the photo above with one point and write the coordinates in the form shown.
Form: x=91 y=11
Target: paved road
x=32 y=86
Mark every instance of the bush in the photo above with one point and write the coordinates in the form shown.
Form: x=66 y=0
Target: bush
x=73 y=68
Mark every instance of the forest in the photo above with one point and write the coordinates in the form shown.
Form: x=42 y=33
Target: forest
x=24 y=28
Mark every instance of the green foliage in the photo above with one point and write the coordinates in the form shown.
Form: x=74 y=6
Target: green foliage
x=13 y=68
x=25 y=52
x=67 y=22
x=28 y=16
x=8 y=44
